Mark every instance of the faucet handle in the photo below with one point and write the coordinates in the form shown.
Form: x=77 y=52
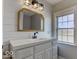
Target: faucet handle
x=35 y=36
x=35 y=33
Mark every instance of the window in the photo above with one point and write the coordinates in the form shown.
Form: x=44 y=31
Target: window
x=65 y=28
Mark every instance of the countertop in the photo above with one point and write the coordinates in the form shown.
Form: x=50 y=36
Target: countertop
x=19 y=44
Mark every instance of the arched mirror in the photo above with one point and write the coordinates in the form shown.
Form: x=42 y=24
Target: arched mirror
x=30 y=21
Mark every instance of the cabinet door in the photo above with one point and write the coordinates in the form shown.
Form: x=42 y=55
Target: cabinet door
x=21 y=54
x=48 y=53
x=55 y=52
x=39 y=55
x=30 y=57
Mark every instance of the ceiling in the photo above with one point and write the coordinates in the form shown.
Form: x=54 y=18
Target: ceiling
x=53 y=2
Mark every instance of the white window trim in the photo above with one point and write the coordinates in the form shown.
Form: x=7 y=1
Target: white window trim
x=71 y=44
x=65 y=12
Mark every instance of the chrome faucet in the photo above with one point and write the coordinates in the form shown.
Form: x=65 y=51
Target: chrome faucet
x=35 y=36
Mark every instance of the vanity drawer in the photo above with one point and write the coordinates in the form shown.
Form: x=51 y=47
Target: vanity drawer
x=42 y=47
x=20 y=54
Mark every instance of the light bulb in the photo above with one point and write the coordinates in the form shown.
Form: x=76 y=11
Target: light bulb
x=41 y=8
x=35 y=5
x=27 y=2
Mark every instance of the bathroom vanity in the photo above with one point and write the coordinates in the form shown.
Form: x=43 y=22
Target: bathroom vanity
x=34 y=49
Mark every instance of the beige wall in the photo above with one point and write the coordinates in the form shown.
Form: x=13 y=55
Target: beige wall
x=64 y=4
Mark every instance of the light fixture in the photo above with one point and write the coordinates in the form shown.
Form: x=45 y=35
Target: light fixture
x=37 y=5
x=27 y=2
x=41 y=6
x=34 y=3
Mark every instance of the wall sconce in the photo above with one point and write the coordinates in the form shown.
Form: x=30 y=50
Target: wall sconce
x=33 y=3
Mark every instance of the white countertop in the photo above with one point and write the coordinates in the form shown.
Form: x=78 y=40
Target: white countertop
x=18 y=44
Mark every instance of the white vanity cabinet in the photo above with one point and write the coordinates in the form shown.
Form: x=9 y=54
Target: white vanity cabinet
x=26 y=53
x=48 y=54
x=45 y=54
x=37 y=51
x=39 y=55
x=30 y=57
x=43 y=51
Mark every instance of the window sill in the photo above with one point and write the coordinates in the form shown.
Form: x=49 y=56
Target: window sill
x=65 y=43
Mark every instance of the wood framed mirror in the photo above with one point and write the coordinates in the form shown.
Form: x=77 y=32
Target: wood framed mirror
x=29 y=20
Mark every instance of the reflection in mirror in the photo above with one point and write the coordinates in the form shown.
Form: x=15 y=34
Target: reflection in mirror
x=30 y=21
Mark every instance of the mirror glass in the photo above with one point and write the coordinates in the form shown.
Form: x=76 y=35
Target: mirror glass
x=30 y=21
